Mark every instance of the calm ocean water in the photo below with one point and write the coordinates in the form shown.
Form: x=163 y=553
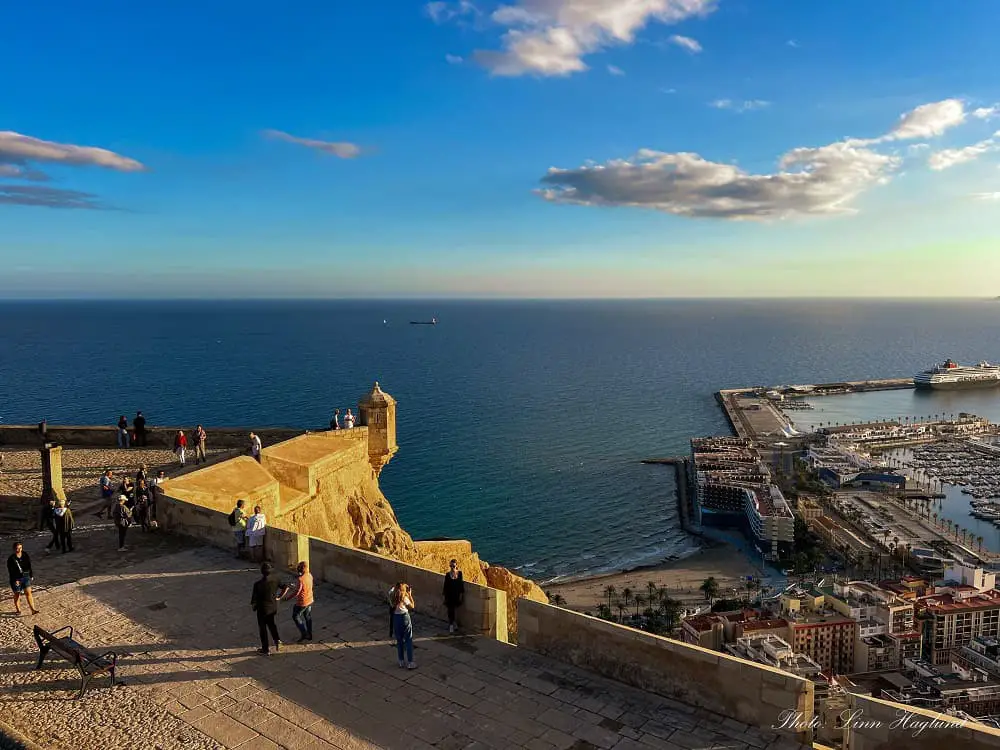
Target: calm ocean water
x=521 y=424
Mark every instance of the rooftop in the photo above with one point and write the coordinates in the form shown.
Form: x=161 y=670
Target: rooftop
x=178 y=615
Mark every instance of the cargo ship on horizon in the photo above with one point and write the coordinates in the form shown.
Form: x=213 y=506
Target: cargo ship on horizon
x=950 y=375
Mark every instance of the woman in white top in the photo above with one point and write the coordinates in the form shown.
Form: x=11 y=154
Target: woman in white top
x=255 y=534
x=348 y=420
x=403 y=603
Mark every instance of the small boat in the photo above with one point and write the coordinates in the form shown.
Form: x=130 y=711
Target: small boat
x=431 y=322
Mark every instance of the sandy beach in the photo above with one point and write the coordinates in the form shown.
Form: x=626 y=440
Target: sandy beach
x=681 y=577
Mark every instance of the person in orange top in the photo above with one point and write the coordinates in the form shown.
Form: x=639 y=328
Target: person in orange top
x=302 y=610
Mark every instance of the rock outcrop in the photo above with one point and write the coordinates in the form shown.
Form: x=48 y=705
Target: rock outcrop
x=346 y=506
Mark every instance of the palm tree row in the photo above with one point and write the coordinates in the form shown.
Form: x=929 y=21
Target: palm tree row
x=654 y=610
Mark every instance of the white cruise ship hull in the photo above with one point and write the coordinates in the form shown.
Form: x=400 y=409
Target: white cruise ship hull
x=958 y=384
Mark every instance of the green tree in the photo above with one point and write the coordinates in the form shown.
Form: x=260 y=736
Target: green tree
x=710 y=588
x=610 y=592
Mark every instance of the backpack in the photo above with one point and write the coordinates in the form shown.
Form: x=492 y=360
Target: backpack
x=232 y=518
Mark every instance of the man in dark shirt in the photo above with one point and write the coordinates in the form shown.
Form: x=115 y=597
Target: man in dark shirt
x=139 y=423
x=264 y=601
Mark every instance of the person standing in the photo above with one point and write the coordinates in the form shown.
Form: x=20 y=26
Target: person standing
x=49 y=522
x=403 y=603
x=108 y=490
x=124 y=441
x=180 y=445
x=64 y=526
x=302 y=609
x=335 y=421
x=255 y=447
x=43 y=432
x=348 y=420
x=141 y=475
x=238 y=520
x=155 y=491
x=139 y=425
x=264 y=601
x=20 y=573
x=123 y=519
x=140 y=506
x=200 y=436
x=454 y=593
x=256 y=526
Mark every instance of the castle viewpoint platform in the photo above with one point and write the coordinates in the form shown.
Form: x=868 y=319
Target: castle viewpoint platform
x=192 y=679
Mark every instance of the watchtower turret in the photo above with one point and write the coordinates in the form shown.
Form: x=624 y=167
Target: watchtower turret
x=377 y=411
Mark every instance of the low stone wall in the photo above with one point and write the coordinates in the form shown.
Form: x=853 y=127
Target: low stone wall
x=752 y=693
x=484 y=611
x=83 y=436
x=875 y=724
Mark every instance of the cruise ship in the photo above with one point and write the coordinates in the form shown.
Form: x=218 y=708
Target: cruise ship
x=951 y=375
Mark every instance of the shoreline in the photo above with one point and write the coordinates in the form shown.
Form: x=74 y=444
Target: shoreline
x=681 y=577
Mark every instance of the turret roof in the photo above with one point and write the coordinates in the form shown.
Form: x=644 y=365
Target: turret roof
x=377 y=397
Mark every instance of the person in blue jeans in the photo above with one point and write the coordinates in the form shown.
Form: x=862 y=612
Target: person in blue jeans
x=403 y=603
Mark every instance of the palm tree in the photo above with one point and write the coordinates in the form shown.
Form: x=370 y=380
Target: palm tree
x=626 y=595
x=710 y=588
x=651 y=592
x=604 y=612
x=557 y=600
x=621 y=610
x=610 y=591
x=640 y=601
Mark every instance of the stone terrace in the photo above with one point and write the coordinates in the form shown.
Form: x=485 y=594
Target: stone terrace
x=180 y=616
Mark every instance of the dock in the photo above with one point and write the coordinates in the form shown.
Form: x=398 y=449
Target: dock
x=680 y=464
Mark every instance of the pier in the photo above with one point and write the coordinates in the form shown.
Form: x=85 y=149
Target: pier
x=680 y=464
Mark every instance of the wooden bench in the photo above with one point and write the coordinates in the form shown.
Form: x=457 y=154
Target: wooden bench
x=89 y=663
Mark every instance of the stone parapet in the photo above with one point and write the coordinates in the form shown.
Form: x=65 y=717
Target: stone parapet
x=89 y=436
x=875 y=724
x=484 y=611
x=756 y=694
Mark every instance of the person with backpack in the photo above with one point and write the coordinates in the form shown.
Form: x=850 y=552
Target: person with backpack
x=238 y=520
x=64 y=526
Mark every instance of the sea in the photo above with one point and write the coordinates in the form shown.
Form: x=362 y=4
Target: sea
x=521 y=424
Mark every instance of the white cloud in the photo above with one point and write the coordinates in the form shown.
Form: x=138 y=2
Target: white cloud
x=810 y=181
x=341 y=149
x=793 y=43
x=615 y=70
x=916 y=148
x=551 y=37
x=668 y=91
x=442 y=12
x=744 y=106
x=987 y=196
x=986 y=113
x=928 y=120
x=453 y=59
x=951 y=157
x=691 y=45
x=17 y=149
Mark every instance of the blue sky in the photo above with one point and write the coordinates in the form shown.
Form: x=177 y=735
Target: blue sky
x=697 y=148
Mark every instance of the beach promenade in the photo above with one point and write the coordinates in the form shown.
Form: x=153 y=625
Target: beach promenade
x=179 y=616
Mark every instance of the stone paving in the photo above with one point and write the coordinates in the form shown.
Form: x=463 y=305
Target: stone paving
x=182 y=622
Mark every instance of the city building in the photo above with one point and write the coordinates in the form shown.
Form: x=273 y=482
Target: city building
x=733 y=486
x=817 y=630
x=954 y=615
x=982 y=652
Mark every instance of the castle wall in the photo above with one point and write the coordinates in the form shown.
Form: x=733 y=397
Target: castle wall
x=484 y=612
x=89 y=436
x=875 y=724
x=756 y=694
